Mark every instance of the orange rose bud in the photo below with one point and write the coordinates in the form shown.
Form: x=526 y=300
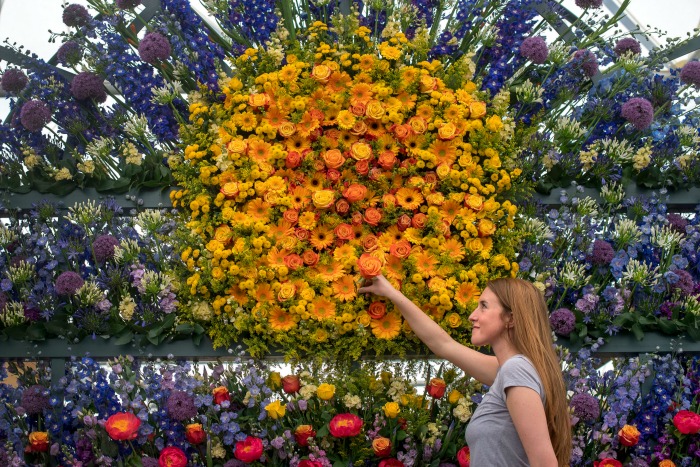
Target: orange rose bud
x=430 y=177
x=381 y=446
x=302 y=234
x=195 y=434
x=369 y=266
x=123 y=426
x=291 y=216
x=303 y=433
x=377 y=310
x=293 y=261
x=310 y=257
x=355 y=192
x=293 y=160
x=291 y=384
x=403 y=222
x=344 y=231
x=221 y=394
x=400 y=249
x=387 y=160
x=419 y=220
x=436 y=388
x=362 y=167
x=38 y=441
x=342 y=206
x=372 y=216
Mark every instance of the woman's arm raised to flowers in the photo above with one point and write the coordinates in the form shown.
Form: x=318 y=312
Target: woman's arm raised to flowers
x=480 y=366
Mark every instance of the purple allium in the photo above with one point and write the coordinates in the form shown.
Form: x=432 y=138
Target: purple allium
x=181 y=406
x=128 y=4
x=34 y=115
x=103 y=246
x=666 y=309
x=677 y=222
x=68 y=283
x=88 y=85
x=639 y=112
x=35 y=399
x=589 y=3
x=690 y=74
x=31 y=313
x=154 y=47
x=13 y=80
x=75 y=15
x=684 y=283
x=587 y=61
x=534 y=49
x=3 y=301
x=562 y=321
x=602 y=253
x=585 y=407
x=627 y=44
x=149 y=462
x=69 y=53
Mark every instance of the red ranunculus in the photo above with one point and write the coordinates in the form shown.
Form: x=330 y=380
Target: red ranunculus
x=391 y=462
x=687 y=422
x=607 y=462
x=464 y=457
x=249 y=450
x=221 y=394
x=172 y=457
x=436 y=388
x=291 y=384
x=309 y=463
x=345 y=425
x=303 y=433
x=123 y=426
x=195 y=434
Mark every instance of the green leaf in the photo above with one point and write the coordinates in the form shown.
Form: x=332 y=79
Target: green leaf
x=584 y=331
x=637 y=331
x=124 y=339
x=694 y=333
x=197 y=339
x=155 y=340
x=340 y=464
x=323 y=431
x=168 y=321
x=185 y=328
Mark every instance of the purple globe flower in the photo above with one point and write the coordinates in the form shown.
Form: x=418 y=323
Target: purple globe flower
x=3 y=301
x=639 y=112
x=31 y=313
x=685 y=282
x=562 y=321
x=534 y=49
x=690 y=74
x=626 y=45
x=35 y=399
x=69 y=53
x=180 y=406
x=68 y=283
x=13 y=80
x=677 y=222
x=587 y=61
x=88 y=85
x=585 y=407
x=128 y=4
x=34 y=115
x=154 y=47
x=149 y=462
x=103 y=246
x=75 y=16
x=602 y=253
x=589 y=3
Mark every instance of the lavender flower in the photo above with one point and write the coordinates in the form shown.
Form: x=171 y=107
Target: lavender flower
x=627 y=44
x=103 y=246
x=534 y=49
x=587 y=61
x=3 y=301
x=639 y=112
x=235 y=463
x=585 y=407
x=75 y=15
x=589 y=3
x=684 y=283
x=88 y=85
x=69 y=53
x=562 y=321
x=690 y=74
x=180 y=406
x=13 y=80
x=677 y=222
x=602 y=253
x=68 y=283
x=154 y=47
x=34 y=115
x=128 y=4
x=35 y=399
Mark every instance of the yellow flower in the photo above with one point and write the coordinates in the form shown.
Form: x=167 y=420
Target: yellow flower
x=454 y=396
x=325 y=391
x=275 y=410
x=391 y=409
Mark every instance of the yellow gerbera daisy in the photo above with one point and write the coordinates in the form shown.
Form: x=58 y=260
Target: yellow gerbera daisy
x=258 y=209
x=387 y=327
x=466 y=293
x=454 y=248
x=344 y=288
x=330 y=272
x=322 y=237
x=280 y=320
x=409 y=198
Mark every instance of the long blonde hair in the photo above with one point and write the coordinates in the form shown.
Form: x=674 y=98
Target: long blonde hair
x=532 y=337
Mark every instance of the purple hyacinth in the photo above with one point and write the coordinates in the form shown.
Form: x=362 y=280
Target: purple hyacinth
x=639 y=112
x=149 y=462
x=589 y=3
x=68 y=283
x=180 y=406
x=684 y=283
x=585 y=407
x=35 y=399
x=13 y=80
x=602 y=253
x=34 y=115
x=154 y=47
x=128 y=4
x=562 y=321
x=69 y=53
x=587 y=61
x=103 y=246
x=534 y=49
x=677 y=222
x=690 y=74
x=88 y=85
x=627 y=44
x=75 y=15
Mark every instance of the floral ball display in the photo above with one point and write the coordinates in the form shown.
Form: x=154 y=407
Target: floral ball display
x=303 y=180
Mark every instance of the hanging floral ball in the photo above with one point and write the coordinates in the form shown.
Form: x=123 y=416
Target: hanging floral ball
x=154 y=47
x=587 y=61
x=128 y=4
x=13 y=80
x=34 y=115
x=103 y=246
x=69 y=53
x=534 y=49
x=690 y=74
x=626 y=45
x=76 y=16
x=589 y=3
x=88 y=85
x=639 y=112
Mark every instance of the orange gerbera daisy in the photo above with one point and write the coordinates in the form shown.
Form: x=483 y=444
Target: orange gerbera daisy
x=375 y=128
x=387 y=142
x=274 y=117
x=258 y=149
x=466 y=293
x=264 y=293
x=390 y=236
x=386 y=327
x=338 y=82
x=297 y=143
x=300 y=197
x=331 y=271
x=425 y=111
x=445 y=152
x=366 y=62
x=279 y=231
x=344 y=288
x=280 y=320
x=257 y=209
x=407 y=99
x=393 y=268
x=454 y=248
x=425 y=263
x=450 y=209
x=345 y=254
x=408 y=198
x=322 y=237
x=275 y=257
x=361 y=92
x=322 y=308
x=239 y=295
x=307 y=124
x=414 y=142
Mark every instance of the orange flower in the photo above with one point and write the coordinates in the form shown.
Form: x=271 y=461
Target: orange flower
x=303 y=433
x=361 y=151
x=369 y=265
x=453 y=248
x=629 y=435
x=258 y=149
x=355 y=192
x=258 y=209
x=300 y=197
x=403 y=222
x=333 y=159
x=436 y=388
x=221 y=394
x=321 y=73
x=419 y=220
x=330 y=272
x=344 y=232
x=386 y=327
x=123 y=426
x=293 y=261
x=345 y=425
x=381 y=446
x=372 y=216
x=361 y=92
x=408 y=198
x=486 y=228
x=344 y=288
x=230 y=190
x=264 y=293
x=400 y=249
x=280 y=320
x=38 y=441
x=377 y=310
x=322 y=237
x=445 y=152
x=322 y=308
x=195 y=434
x=369 y=243
x=310 y=257
x=291 y=384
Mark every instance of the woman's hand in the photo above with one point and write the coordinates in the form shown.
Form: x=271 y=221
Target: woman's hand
x=379 y=285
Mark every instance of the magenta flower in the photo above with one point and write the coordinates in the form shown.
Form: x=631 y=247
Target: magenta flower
x=587 y=61
x=154 y=47
x=639 y=112
x=534 y=49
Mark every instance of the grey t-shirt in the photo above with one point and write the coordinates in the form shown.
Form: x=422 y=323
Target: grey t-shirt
x=491 y=435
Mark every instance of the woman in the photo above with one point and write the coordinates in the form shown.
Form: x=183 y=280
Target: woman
x=524 y=417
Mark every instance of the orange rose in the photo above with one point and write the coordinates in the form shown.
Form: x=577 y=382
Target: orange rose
x=387 y=160
x=369 y=265
x=333 y=158
x=418 y=125
x=345 y=425
x=400 y=249
x=359 y=128
x=310 y=257
x=430 y=177
x=230 y=189
x=237 y=146
x=389 y=200
x=403 y=222
x=344 y=231
x=377 y=310
x=323 y=199
x=293 y=160
x=258 y=100
x=291 y=216
x=372 y=216
x=195 y=434
x=302 y=234
x=355 y=192
x=286 y=129
x=369 y=243
x=321 y=73
x=303 y=433
x=667 y=463
x=342 y=206
x=418 y=221
x=333 y=175
x=436 y=388
x=356 y=218
x=291 y=384
x=447 y=131
x=477 y=109
x=629 y=435
x=286 y=292
x=362 y=167
x=401 y=132
x=221 y=394
x=39 y=441
x=360 y=151
x=375 y=110
x=123 y=426
x=485 y=227
x=293 y=261
x=358 y=109
x=381 y=446
x=474 y=202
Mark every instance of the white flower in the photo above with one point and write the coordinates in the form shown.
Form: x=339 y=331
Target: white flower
x=626 y=232
x=202 y=311
x=573 y=275
x=664 y=237
x=352 y=402
x=308 y=391
x=126 y=308
x=528 y=93
x=641 y=273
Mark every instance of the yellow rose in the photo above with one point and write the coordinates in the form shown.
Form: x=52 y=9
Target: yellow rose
x=286 y=129
x=374 y=109
x=454 y=396
x=447 y=131
x=364 y=319
x=475 y=202
x=323 y=199
x=275 y=410
x=477 y=109
x=321 y=73
x=286 y=291
x=418 y=125
x=325 y=391
x=237 y=146
x=391 y=409
x=474 y=244
x=361 y=151
x=443 y=170
x=454 y=320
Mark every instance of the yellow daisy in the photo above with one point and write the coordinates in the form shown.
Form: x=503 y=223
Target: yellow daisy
x=387 y=327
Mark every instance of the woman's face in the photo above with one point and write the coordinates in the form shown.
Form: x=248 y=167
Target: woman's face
x=487 y=320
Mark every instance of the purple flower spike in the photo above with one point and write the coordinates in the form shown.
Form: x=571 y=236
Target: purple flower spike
x=585 y=407
x=69 y=53
x=154 y=47
x=587 y=61
x=639 y=112
x=690 y=74
x=76 y=16
x=128 y=4
x=627 y=45
x=34 y=115
x=534 y=49
x=589 y=3
x=68 y=283
x=562 y=321
x=13 y=80
x=88 y=85
x=103 y=246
